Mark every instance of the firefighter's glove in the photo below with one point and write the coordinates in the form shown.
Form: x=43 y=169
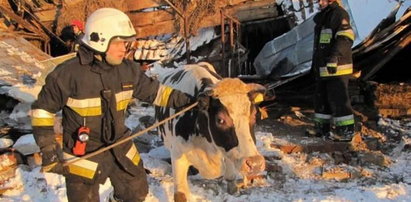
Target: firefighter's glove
x=203 y=101
x=52 y=159
x=332 y=68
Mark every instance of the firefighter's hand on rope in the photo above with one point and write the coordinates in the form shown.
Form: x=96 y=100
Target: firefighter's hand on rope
x=203 y=101
x=52 y=160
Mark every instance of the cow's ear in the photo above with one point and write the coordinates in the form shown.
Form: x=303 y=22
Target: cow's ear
x=256 y=92
x=203 y=99
x=208 y=91
x=256 y=87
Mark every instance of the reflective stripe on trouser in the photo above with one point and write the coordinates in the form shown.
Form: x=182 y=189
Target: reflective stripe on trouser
x=322 y=118
x=126 y=186
x=344 y=120
x=322 y=124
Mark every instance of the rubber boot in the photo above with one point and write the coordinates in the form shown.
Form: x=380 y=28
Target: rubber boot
x=343 y=133
x=320 y=130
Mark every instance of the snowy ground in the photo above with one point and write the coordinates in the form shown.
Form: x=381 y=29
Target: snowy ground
x=297 y=179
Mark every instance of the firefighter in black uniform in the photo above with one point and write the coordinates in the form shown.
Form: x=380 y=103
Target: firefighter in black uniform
x=332 y=66
x=93 y=91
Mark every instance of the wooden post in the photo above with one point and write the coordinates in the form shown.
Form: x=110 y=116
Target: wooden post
x=223 y=42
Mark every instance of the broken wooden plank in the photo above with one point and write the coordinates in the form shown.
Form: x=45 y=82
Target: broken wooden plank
x=46 y=15
x=260 y=13
x=21 y=21
x=213 y=20
x=392 y=113
x=150 y=18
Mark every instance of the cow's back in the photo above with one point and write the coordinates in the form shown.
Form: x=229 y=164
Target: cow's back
x=191 y=79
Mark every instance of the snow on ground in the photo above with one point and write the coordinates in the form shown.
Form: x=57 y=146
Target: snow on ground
x=296 y=182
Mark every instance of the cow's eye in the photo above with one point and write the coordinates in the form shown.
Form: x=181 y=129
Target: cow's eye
x=220 y=121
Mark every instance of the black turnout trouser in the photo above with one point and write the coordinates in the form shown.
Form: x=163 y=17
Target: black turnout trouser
x=331 y=96
x=127 y=188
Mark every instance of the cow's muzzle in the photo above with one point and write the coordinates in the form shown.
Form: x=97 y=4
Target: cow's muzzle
x=253 y=165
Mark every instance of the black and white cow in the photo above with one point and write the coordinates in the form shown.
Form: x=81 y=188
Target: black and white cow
x=217 y=139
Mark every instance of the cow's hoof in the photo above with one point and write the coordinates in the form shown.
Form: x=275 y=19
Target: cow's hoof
x=232 y=187
x=180 y=197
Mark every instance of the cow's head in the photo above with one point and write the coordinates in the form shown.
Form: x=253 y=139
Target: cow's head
x=228 y=121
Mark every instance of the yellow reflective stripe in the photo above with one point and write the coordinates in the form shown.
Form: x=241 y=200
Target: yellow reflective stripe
x=83 y=168
x=349 y=33
x=85 y=107
x=41 y=117
x=123 y=98
x=122 y=104
x=322 y=118
x=259 y=98
x=344 y=120
x=341 y=70
x=163 y=94
x=42 y=121
x=41 y=113
x=331 y=64
x=133 y=155
x=325 y=36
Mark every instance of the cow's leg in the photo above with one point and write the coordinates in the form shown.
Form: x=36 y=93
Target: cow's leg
x=180 y=167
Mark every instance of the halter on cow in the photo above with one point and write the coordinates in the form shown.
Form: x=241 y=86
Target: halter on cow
x=218 y=137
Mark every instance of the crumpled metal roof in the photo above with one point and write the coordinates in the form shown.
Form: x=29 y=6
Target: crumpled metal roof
x=288 y=54
x=23 y=67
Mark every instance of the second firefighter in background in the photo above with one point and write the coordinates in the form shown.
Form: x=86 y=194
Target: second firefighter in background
x=332 y=66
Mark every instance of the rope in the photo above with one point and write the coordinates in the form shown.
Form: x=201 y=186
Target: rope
x=130 y=137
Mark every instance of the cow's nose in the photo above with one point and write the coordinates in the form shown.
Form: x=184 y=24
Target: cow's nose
x=254 y=164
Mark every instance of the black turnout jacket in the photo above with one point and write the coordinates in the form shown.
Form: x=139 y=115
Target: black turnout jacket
x=93 y=93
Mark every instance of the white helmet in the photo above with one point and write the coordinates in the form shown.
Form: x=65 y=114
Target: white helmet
x=105 y=24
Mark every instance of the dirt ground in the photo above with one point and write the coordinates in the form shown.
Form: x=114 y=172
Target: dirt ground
x=373 y=144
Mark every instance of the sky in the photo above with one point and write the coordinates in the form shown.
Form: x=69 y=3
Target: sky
x=368 y=13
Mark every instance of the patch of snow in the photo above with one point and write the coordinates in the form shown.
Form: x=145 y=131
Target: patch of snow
x=5 y=143
x=26 y=145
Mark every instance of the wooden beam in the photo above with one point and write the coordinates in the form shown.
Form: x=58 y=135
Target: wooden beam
x=248 y=11
x=46 y=15
x=254 y=14
x=135 y=5
x=156 y=29
x=22 y=22
x=150 y=18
